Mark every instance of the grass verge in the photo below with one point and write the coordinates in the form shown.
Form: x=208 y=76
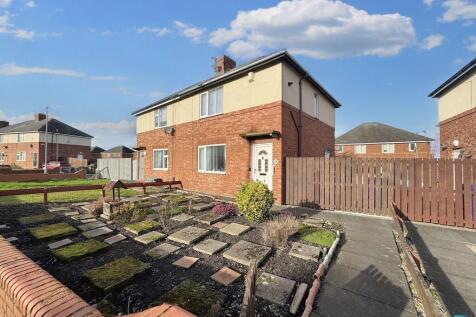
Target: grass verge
x=319 y=236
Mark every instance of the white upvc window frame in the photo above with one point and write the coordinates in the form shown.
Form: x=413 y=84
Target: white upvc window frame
x=20 y=137
x=166 y=156
x=339 y=148
x=2 y=156
x=157 y=114
x=3 y=138
x=206 y=95
x=388 y=148
x=21 y=159
x=315 y=105
x=410 y=147
x=360 y=148
x=206 y=170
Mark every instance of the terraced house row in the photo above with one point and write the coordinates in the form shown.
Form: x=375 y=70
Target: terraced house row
x=237 y=126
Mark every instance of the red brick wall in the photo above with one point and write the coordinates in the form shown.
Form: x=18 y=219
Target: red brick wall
x=461 y=127
x=64 y=150
x=401 y=151
x=226 y=129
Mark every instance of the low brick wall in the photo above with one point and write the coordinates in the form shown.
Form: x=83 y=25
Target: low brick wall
x=41 y=177
x=28 y=290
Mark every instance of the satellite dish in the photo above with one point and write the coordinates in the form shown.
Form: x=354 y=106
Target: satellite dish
x=169 y=130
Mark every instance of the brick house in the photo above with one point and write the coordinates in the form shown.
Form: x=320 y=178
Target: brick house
x=239 y=125
x=23 y=144
x=119 y=151
x=457 y=113
x=378 y=140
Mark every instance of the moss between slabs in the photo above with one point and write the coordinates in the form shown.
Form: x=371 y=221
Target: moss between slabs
x=53 y=231
x=116 y=273
x=143 y=226
x=178 y=199
x=31 y=220
x=319 y=236
x=78 y=250
x=193 y=297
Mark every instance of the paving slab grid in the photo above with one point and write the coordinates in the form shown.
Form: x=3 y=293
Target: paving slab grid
x=449 y=255
x=365 y=279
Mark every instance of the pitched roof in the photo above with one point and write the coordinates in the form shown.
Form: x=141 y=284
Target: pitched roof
x=97 y=149
x=237 y=71
x=374 y=132
x=453 y=79
x=119 y=149
x=54 y=126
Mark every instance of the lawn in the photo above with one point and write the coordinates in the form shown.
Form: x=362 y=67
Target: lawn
x=76 y=196
x=319 y=236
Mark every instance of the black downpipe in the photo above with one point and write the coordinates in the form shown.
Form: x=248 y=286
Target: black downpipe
x=299 y=130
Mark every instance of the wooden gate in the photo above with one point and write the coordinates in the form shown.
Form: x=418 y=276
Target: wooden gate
x=428 y=190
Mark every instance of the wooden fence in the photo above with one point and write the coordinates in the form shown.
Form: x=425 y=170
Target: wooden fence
x=426 y=190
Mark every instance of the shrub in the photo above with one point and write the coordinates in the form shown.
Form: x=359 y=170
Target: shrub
x=224 y=209
x=255 y=200
x=277 y=231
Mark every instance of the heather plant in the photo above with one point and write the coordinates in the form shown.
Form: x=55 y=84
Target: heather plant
x=224 y=209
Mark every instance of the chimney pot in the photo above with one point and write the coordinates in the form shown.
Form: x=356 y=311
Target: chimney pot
x=223 y=64
x=4 y=124
x=40 y=116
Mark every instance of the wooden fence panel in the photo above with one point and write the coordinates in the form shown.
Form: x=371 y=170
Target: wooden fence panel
x=429 y=190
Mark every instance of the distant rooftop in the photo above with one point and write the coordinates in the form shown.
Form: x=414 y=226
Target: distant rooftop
x=375 y=132
x=119 y=149
x=54 y=126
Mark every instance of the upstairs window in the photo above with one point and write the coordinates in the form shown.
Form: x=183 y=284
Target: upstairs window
x=20 y=137
x=412 y=147
x=211 y=158
x=316 y=105
x=388 y=148
x=339 y=148
x=211 y=102
x=161 y=159
x=360 y=149
x=160 y=117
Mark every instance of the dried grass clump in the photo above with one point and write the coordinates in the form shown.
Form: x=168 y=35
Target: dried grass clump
x=277 y=231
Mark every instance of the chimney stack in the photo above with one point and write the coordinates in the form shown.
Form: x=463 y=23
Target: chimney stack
x=40 y=116
x=223 y=64
x=4 y=124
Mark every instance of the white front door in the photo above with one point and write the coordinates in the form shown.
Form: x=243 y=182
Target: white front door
x=262 y=163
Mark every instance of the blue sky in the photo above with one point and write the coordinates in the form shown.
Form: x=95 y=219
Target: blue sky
x=94 y=62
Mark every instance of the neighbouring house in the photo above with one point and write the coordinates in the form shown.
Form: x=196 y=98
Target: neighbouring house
x=96 y=152
x=457 y=113
x=23 y=144
x=239 y=125
x=378 y=140
x=119 y=151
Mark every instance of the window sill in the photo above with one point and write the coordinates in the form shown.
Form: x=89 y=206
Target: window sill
x=160 y=169
x=212 y=115
x=212 y=172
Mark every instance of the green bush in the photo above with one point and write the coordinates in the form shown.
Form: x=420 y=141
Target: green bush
x=255 y=200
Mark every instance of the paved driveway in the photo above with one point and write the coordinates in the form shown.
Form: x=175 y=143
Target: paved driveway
x=449 y=255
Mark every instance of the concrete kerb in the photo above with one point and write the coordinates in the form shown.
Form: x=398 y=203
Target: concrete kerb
x=318 y=275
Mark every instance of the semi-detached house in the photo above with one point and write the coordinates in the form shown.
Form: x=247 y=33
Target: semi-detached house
x=239 y=125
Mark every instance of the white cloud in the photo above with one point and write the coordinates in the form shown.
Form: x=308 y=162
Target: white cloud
x=12 y=69
x=5 y=3
x=30 y=4
x=472 y=44
x=458 y=10
x=110 y=133
x=6 y=27
x=432 y=41
x=428 y=2
x=316 y=28
x=153 y=30
x=190 y=31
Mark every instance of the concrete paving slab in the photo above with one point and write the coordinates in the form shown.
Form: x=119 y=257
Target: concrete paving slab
x=188 y=235
x=305 y=251
x=185 y=262
x=202 y=206
x=84 y=203
x=182 y=217
x=220 y=224
x=210 y=246
x=225 y=276
x=12 y=239
x=59 y=244
x=245 y=252
x=210 y=218
x=83 y=217
x=298 y=297
x=161 y=251
x=150 y=237
x=91 y=226
x=70 y=213
x=274 y=288
x=59 y=209
x=115 y=239
x=4 y=227
x=377 y=250
x=89 y=220
x=97 y=232
x=235 y=229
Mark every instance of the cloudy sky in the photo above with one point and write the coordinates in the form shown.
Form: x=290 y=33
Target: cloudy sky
x=94 y=62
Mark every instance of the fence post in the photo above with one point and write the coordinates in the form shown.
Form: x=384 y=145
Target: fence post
x=45 y=195
x=103 y=193
x=144 y=187
x=248 y=307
